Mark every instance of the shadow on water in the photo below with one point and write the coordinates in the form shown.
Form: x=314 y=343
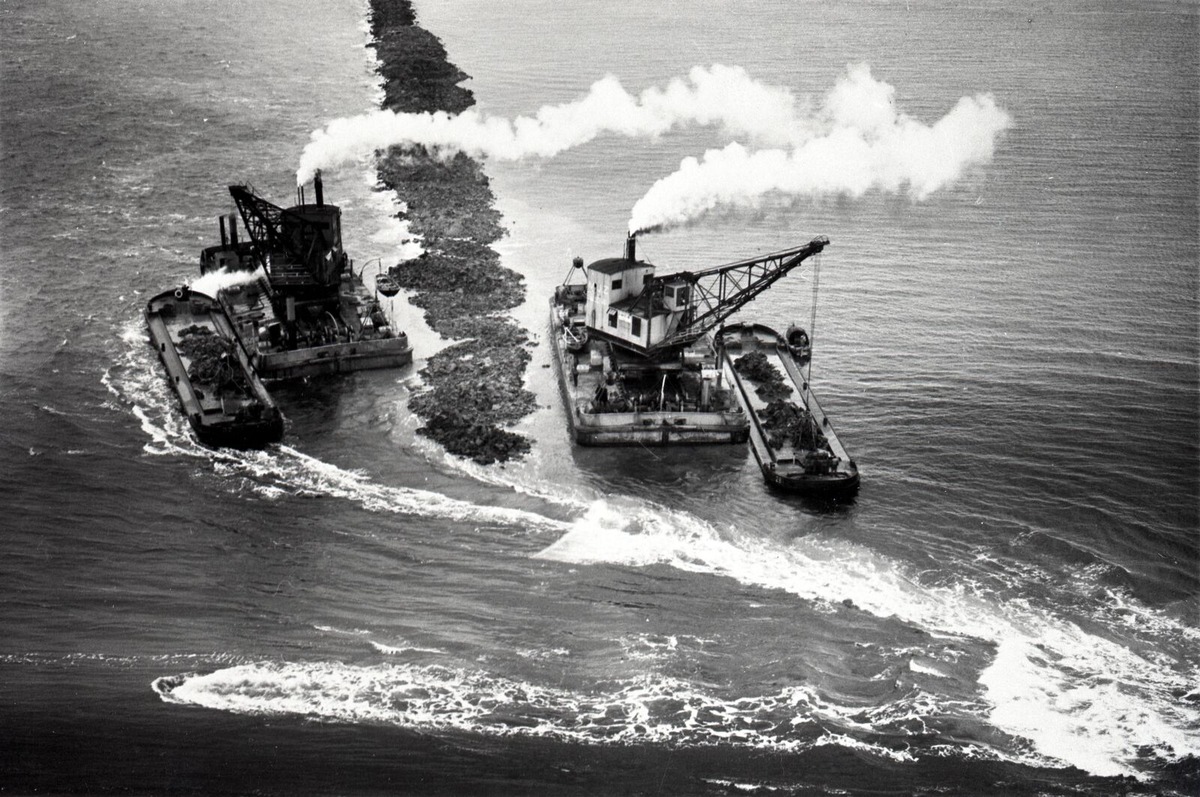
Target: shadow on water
x=829 y=505
x=667 y=474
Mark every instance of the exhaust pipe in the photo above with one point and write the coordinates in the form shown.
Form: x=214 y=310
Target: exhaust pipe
x=631 y=248
x=319 y=188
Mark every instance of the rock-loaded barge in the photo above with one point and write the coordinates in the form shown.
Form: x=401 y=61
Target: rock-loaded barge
x=224 y=400
x=635 y=356
x=306 y=311
x=791 y=436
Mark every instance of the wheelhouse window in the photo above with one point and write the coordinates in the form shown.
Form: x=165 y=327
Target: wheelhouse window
x=635 y=327
x=612 y=318
x=616 y=285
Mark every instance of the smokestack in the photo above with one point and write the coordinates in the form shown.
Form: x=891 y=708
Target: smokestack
x=631 y=248
x=224 y=238
x=319 y=188
x=233 y=231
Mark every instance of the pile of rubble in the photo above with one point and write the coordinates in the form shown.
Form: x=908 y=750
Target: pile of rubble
x=787 y=423
x=211 y=356
x=476 y=385
x=771 y=384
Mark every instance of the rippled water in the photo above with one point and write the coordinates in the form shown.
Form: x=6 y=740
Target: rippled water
x=1009 y=604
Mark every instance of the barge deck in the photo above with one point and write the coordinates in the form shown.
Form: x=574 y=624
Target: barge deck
x=224 y=400
x=792 y=438
x=613 y=398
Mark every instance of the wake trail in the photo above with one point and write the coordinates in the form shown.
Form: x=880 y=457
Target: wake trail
x=283 y=469
x=1078 y=696
x=1084 y=697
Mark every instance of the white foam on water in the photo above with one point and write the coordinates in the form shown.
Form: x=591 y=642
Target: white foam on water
x=393 y=232
x=396 y=650
x=1080 y=697
x=849 y=742
x=1076 y=710
x=520 y=477
x=305 y=472
x=925 y=669
x=650 y=708
x=138 y=385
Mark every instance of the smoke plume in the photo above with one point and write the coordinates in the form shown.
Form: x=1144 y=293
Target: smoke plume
x=720 y=95
x=855 y=141
x=215 y=281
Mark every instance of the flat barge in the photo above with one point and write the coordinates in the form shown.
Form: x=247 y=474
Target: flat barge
x=615 y=398
x=792 y=438
x=224 y=400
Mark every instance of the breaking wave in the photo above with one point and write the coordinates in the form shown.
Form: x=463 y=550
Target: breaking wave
x=650 y=708
x=1092 y=695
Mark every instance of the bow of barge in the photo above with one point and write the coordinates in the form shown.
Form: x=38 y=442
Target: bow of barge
x=224 y=400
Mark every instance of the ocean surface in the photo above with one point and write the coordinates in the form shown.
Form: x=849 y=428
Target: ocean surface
x=1009 y=605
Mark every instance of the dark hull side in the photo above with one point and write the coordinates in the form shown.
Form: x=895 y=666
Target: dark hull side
x=803 y=484
x=223 y=418
x=240 y=434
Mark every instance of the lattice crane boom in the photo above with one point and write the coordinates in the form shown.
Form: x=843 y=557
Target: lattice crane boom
x=302 y=243
x=721 y=291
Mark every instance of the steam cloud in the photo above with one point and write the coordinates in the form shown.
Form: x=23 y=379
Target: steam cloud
x=718 y=95
x=215 y=281
x=855 y=142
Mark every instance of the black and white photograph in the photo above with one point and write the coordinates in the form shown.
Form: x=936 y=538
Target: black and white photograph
x=774 y=397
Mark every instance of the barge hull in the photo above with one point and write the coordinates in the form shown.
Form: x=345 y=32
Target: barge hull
x=338 y=358
x=784 y=467
x=683 y=427
x=220 y=415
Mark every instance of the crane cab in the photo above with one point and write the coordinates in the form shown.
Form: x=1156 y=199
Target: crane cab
x=629 y=307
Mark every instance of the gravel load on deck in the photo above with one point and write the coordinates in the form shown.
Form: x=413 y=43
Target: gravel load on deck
x=771 y=385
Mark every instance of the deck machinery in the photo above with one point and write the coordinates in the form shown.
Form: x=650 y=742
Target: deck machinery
x=658 y=316
x=636 y=363
x=308 y=313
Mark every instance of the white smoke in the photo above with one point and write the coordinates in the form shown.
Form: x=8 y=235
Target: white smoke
x=862 y=143
x=717 y=95
x=856 y=141
x=214 y=281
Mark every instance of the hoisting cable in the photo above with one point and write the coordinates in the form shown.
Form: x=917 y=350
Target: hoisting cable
x=812 y=331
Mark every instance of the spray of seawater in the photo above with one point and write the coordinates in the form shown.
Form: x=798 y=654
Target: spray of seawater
x=1078 y=695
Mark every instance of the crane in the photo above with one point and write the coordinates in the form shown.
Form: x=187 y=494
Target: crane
x=672 y=311
x=298 y=247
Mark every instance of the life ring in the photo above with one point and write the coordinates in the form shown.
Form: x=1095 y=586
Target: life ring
x=180 y=293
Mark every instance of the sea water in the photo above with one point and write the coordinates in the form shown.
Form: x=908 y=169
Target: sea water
x=1008 y=604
